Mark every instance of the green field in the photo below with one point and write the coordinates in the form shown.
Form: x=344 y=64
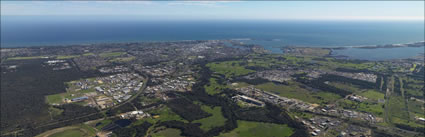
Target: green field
x=413 y=92
x=25 y=58
x=237 y=67
x=373 y=95
x=294 y=91
x=67 y=57
x=397 y=108
x=72 y=131
x=411 y=123
x=111 y=54
x=213 y=87
x=70 y=94
x=215 y=120
x=88 y=54
x=417 y=108
x=168 y=132
x=68 y=133
x=58 y=98
x=54 y=99
x=166 y=114
x=259 y=129
x=375 y=108
x=413 y=68
x=398 y=114
x=229 y=68
x=123 y=59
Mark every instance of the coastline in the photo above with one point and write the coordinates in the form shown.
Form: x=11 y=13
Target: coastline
x=341 y=52
x=414 y=50
x=413 y=44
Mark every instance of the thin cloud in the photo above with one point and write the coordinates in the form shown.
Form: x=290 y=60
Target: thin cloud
x=223 y=9
x=200 y=3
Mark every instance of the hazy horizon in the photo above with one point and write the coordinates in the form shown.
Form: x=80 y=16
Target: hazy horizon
x=223 y=10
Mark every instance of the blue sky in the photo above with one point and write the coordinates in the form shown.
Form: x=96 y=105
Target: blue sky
x=275 y=10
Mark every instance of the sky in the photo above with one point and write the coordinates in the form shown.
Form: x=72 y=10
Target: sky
x=198 y=10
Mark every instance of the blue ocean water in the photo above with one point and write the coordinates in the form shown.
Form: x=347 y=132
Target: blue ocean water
x=20 y=31
x=380 y=53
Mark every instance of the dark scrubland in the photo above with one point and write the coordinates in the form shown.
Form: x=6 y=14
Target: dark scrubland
x=187 y=109
x=230 y=110
x=23 y=93
x=188 y=106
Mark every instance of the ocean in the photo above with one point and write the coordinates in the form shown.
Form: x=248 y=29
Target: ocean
x=22 y=31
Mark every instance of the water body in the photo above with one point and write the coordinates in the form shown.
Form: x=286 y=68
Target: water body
x=24 y=31
x=380 y=53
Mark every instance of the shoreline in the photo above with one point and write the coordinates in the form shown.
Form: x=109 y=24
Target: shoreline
x=410 y=44
x=352 y=52
x=332 y=51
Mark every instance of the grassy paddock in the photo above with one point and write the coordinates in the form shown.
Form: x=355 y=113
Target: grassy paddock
x=70 y=131
x=259 y=129
x=111 y=54
x=26 y=58
x=123 y=59
x=168 y=132
x=213 y=87
x=374 y=108
x=294 y=91
x=372 y=94
x=229 y=68
x=67 y=56
x=215 y=120
x=166 y=114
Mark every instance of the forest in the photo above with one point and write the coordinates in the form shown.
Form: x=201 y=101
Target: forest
x=230 y=110
x=23 y=92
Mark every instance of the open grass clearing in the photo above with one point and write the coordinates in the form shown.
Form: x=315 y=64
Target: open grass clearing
x=229 y=68
x=259 y=129
x=111 y=54
x=80 y=130
x=26 y=58
x=293 y=90
x=213 y=87
x=67 y=56
x=123 y=59
x=164 y=113
x=373 y=94
x=168 y=132
x=215 y=120
x=396 y=108
x=54 y=99
x=376 y=109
